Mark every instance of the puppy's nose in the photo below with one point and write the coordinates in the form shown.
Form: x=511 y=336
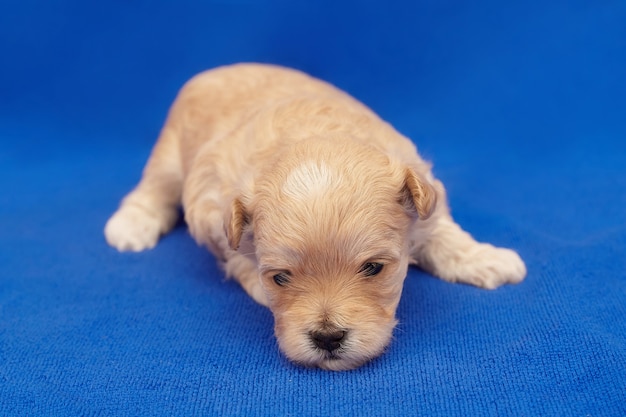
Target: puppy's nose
x=328 y=340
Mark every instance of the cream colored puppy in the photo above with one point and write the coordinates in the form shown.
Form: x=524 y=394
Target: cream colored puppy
x=311 y=201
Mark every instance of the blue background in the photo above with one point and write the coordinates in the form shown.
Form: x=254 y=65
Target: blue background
x=520 y=105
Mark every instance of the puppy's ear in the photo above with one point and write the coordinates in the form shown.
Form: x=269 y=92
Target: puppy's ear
x=234 y=223
x=418 y=196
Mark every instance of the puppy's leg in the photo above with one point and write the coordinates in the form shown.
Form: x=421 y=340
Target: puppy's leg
x=151 y=209
x=245 y=271
x=441 y=247
x=206 y=225
x=205 y=210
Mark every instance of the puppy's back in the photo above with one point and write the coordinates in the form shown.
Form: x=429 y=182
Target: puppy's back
x=216 y=102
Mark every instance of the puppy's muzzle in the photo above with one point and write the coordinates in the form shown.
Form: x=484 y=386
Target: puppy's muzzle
x=328 y=340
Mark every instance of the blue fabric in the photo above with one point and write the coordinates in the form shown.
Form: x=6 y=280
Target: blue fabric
x=520 y=105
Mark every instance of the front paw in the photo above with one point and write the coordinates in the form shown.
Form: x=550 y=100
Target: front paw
x=132 y=229
x=490 y=267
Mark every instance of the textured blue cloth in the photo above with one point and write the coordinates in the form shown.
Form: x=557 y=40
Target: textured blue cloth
x=520 y=105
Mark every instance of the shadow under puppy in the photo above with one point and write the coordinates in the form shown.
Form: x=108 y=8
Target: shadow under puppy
x=311 y=202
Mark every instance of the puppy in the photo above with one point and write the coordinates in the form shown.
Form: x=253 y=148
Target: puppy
x=310 y=201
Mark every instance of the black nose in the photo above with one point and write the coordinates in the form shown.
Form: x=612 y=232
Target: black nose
x=328 y=340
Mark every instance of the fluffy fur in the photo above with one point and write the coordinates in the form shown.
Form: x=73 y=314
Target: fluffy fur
x=310 y=201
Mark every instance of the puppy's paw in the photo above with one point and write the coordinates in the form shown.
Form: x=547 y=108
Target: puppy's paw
x=256 y=292
x=490 y=267
x=132 y=228
x=244 y=270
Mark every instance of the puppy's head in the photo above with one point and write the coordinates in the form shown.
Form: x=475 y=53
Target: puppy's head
x=330 y=227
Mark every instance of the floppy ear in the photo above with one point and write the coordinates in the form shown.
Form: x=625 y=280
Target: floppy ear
x=418 y=195
x=234 y=223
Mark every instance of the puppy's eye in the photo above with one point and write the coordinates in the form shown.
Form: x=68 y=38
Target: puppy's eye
x=370 y=269
x=281 y=279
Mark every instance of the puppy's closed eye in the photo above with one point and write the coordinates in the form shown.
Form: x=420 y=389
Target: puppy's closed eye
x=370 y=269
x=281 y=279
